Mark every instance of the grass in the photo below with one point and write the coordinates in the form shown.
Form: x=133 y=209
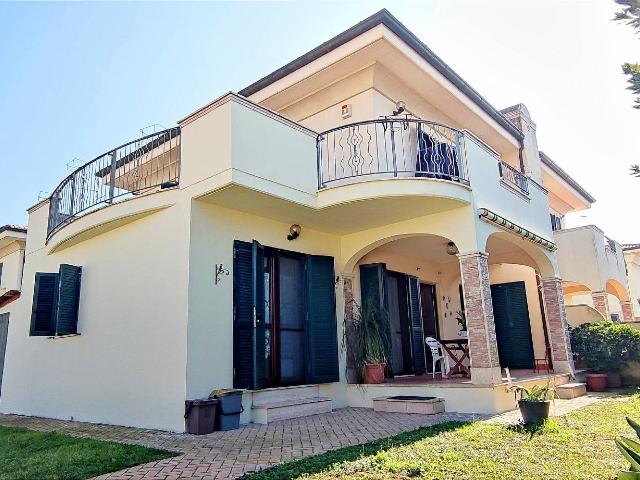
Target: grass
x=26 y=454
x=578 y=446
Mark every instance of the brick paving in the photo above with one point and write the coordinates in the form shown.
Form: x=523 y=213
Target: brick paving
x=227 y=455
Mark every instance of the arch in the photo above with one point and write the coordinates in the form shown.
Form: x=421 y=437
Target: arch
x=615 y=288
x=575 y=288
x=504 y=247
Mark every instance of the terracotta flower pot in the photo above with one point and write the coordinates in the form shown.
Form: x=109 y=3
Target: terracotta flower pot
x=596 y=382
x=613 y=379
x=534 y=412
x=374 y=373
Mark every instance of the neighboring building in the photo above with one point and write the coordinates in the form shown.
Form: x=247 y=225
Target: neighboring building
x=592 y=266
x=632 y=259
x=12 y=245
x=174 y=264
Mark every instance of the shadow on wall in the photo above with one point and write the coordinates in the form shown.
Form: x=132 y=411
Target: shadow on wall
x=580 y=314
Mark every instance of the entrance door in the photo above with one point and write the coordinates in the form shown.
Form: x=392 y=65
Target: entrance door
x=429 y=317
x=4 y=330
x=290 y=320
x=401 y=363
x=513 y=328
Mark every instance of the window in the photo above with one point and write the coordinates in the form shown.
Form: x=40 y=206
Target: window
x=615 y=318
x=55 y=302
x=556 y=222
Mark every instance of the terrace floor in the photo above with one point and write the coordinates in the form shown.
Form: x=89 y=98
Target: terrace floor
x=463 y=381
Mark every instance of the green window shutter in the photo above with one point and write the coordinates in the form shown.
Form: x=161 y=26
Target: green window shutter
x=45 y=297
x=248 y=312
x=415 y=318
x=322 y=333
x=68 y=299
x=373 y=290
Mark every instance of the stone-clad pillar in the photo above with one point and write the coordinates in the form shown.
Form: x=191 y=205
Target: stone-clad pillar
x=483 y=347
x=601 y=303
x=627 y=311
x=557 y=325
x=349 y=308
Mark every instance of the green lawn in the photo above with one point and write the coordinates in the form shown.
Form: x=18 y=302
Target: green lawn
x=25 y=454
x=578 y=446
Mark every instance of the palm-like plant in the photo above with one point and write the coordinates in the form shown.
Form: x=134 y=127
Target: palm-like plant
x=364 y=337
x=536 y=393
x=631 y=451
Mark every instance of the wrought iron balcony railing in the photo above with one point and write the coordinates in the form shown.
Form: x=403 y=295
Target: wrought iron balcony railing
x=514 y=178
x=390 y=147
x=135 y=168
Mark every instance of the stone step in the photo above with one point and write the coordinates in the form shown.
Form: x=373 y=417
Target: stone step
x=285 y=394
x=272 y=412
x=409 y=404
x=571 y=390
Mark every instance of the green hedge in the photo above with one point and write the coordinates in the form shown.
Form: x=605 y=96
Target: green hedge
x=606 y=345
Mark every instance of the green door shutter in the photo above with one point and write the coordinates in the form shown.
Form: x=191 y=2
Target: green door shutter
x=68 y=299
x=373 y=290
x=415 y=318
x=322 y=333
x=248 y=313
x=43 y=310
x=513 y=328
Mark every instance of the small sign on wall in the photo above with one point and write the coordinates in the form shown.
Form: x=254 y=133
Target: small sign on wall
x=345 y=110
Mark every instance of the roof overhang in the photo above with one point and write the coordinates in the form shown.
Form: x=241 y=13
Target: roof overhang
x=12 y=233
x=561 y=185
x=382 y=39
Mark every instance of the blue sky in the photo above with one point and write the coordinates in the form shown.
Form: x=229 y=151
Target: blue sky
x=77 y=79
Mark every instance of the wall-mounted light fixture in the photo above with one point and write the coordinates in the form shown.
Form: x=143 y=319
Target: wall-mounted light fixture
x=400 y=107
x=452 y=249
x=294 y=232
x=219 y=271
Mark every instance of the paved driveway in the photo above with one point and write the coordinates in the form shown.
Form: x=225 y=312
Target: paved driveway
x=225 y=455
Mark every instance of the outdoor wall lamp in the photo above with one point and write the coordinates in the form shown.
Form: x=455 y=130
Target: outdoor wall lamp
x=294 y=232
x=452 y=249
x=400 y=107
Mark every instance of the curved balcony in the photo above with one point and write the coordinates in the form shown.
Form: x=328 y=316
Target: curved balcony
x=390 y=148
x=135 y=168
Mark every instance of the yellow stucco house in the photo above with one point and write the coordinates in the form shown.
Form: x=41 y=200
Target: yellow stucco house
x=228 y=251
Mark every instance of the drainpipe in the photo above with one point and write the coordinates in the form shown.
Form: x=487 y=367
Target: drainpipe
x=520 y=150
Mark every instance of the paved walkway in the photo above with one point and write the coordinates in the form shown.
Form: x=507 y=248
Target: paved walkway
x=227 y=455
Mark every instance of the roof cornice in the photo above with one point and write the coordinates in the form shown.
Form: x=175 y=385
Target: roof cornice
x=383 y=17
x=555 y=168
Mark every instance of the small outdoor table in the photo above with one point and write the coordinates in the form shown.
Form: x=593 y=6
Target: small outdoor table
x=458 y=350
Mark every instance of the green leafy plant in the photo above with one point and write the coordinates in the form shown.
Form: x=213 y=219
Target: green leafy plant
x=365 y=337
x=461 y=318
x=631 y=452
x=536 y=393
x=605 y=346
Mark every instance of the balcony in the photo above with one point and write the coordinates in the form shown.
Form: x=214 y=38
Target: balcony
x=390 y=148
x=136 y=168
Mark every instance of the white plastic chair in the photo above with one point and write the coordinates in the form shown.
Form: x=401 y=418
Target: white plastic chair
x=437 y=354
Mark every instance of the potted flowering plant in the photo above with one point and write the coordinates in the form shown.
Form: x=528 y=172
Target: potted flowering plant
x=534 y=402
x=461 y=318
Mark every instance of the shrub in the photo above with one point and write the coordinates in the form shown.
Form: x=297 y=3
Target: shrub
x=605 y=345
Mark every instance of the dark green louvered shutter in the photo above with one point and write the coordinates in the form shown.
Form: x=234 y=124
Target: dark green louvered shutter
x=373 y=290
x=248 y=312
x=322 y=334
x=43 y=310
x=415 y=318
x=513 y=328
x=68 y=300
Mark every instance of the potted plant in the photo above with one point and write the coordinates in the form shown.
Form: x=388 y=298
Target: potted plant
x=461 y=318
x=591 y=343
x=534 y=402
x=364 y=337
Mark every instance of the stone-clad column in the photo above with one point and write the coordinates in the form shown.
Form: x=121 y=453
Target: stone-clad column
x=601 y=303
x=627 y=311
x=557 y=325
x=483 y=347
x=349 y=308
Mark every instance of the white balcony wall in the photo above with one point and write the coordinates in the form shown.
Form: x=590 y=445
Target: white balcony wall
x=530 y=212
x=11 y=258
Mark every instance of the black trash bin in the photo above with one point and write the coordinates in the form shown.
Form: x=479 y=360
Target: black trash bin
x=200 y=415
x=229 y=409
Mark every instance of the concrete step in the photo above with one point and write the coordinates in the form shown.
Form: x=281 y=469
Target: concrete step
x=409 y=404
x=272 y=412
x=571 y=390
x=285 y=394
